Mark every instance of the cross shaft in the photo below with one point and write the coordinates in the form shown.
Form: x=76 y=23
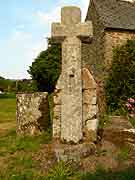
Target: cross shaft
x=71 y=109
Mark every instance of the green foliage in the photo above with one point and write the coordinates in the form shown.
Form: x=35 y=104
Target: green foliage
x=62 y=171
x=8 y=109
x=26 y=85
x=1 y=78
x=7 y=96
x=46 y=68
x=123 y=154
x=12 y=143
x=128 y=174
x=104 y=121
x=132 y=121
x=17 y=153
x=6 y=84
x=120 y=84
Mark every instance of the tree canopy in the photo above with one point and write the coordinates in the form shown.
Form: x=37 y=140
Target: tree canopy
x=46 y=68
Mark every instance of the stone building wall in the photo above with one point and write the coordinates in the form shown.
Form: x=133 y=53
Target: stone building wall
x=112 y=39
x=97 y=56
x=93 y=55
x=32 y=113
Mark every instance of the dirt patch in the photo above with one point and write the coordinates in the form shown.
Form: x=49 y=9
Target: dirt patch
x=46 y=158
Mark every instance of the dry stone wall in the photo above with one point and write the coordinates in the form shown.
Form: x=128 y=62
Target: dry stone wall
x=32 y=113
x=89 y=108
x=57 y=114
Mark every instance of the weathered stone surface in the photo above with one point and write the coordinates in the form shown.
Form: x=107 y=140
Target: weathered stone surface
x=74 y=152
x=89 y=96
x=57 y=121
x=71 y=112
x=92 y=125
x=119 y=131
x=90 y=107
x=70 y=15
x=57 y=97
x=88 y=80
x=32 y=113
x=57 y=110
x=71 y=29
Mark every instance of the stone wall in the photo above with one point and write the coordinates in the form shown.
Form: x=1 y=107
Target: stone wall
x=57 y=114
x=92 y=54
x=32 y=113
x=90 y=107
x=112 y=39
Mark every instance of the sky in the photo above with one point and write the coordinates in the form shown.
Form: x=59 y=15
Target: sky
x=24 y=28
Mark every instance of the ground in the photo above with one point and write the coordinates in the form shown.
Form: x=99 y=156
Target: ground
x=32 y=158
x=7 y=114
x=19 y=156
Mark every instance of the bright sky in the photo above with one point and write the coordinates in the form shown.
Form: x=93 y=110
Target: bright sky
x=24 y=26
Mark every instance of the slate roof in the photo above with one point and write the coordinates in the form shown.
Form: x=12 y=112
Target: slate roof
x=115 y=13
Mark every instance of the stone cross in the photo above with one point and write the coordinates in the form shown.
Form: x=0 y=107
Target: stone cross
x=70 y=31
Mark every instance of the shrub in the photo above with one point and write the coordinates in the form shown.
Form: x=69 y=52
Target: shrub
x=62 y=171
x=120 y=84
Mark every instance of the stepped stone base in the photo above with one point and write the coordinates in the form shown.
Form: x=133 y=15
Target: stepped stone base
x=75 y=153
x=120 y=131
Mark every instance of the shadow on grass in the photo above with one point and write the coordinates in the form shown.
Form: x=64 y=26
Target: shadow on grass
x=128 y=174
x=8 y=96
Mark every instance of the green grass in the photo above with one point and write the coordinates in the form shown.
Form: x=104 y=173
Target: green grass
x=62 y=171
x=11 y=143
x=128 y=174
x=123 y=154
x=132 y=121
x=17 y=152
x=7 y=110
x=16 y=161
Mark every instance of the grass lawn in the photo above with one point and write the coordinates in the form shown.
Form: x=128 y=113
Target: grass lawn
x=7 y=113
x=17 y=154
x=27 y=158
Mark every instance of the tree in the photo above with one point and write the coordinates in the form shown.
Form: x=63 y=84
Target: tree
x=2 y=78
x=121 y=81
x=25 y=85
x=46 y=68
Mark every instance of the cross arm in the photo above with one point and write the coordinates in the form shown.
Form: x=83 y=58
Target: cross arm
x=85 y=29
x=58 y=31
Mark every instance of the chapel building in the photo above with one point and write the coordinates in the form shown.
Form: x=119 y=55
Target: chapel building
x=113 y=24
